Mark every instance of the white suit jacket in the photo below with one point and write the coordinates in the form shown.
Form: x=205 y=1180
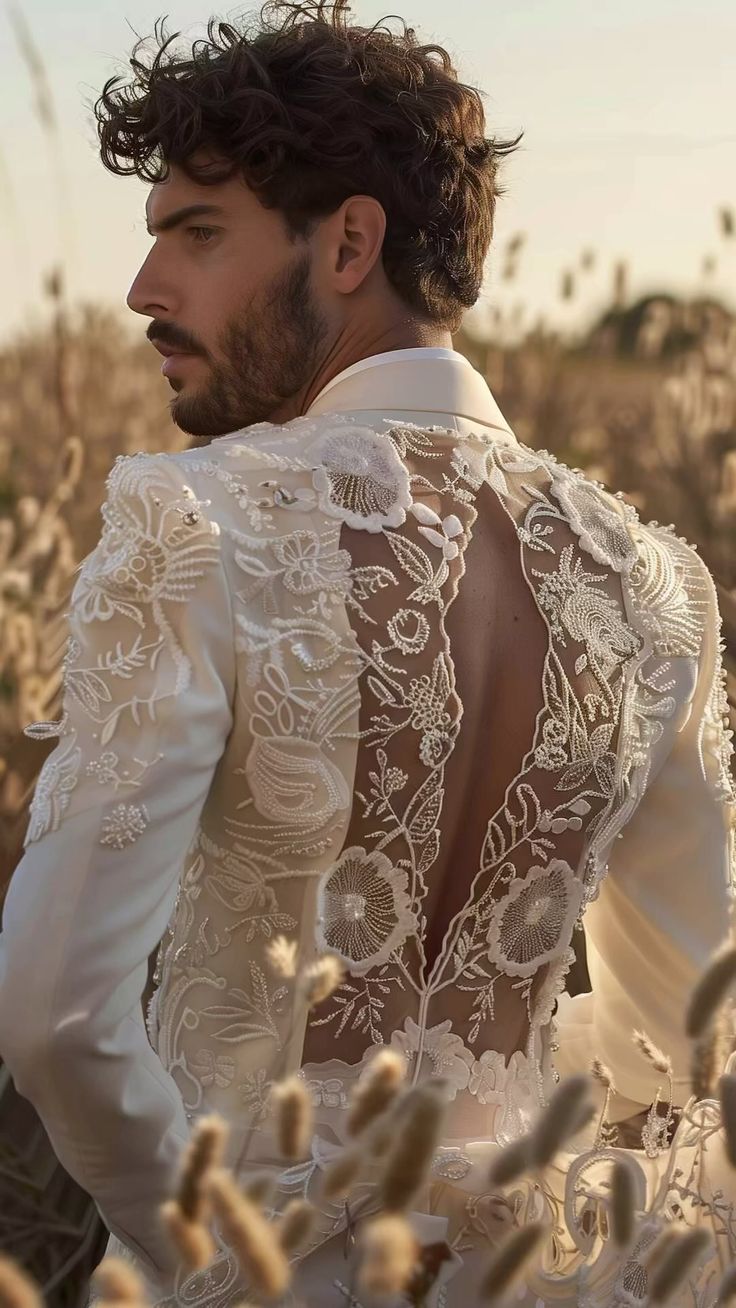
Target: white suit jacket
x=391 y=683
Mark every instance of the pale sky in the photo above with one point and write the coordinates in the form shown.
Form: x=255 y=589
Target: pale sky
x=629 y=113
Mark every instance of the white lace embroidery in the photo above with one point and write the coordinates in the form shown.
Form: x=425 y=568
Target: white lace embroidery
x=368 y=900
x=150 y=556
x=329 y=807
x=124 y=825
x=55 y=783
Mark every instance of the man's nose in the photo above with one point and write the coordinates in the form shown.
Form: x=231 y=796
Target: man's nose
x=147 y=295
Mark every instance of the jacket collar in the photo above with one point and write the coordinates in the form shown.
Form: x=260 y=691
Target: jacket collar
x=421 y=380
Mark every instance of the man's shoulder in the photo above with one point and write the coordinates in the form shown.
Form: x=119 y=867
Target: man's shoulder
x=609 y=525
x=669 y=586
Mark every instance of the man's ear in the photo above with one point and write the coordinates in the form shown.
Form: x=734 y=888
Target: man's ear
x=356 y=238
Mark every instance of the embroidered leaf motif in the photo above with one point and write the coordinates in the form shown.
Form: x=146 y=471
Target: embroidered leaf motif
x=368 y=580
x=429 y=852
x=252 y=1016
x=412 y=559
x=381 y=690
x=498 y=481
x=108 y=730
x=424 y=809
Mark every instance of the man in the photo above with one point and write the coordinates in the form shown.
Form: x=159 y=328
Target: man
x=356 y=668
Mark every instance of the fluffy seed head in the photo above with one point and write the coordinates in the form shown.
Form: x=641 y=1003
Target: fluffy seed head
x=511 y=1162
x=295 y=1224
x=321 y=978
x=727 y=1289
x=710 y=991
x=510 y=1260
x=251 y=1237
x=676 y=1262
x=709 y=1055
x=282 y=955
x=191 y=1238
x=205 y=1150
x=293 y=1106
x=567 y=1111
x=260 y=1187
x=389 y=1254
x=339 y=1176
x=17 y=1290
x=727 y=1097
x=418 y=1127
x=115 y=1278
x=622 y=1203
x=603 y=1074
x=376 y=1090
x=660 y=1062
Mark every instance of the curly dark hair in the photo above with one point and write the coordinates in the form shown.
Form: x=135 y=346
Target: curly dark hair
x=312 y=110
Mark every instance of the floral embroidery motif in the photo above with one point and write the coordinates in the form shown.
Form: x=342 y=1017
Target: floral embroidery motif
x=328 y=1093
x=213 y=1069
x=440 y=531
x=255 y=1093
x=587 y=614
x=667 y=587
x=361 y=479
x=364 y=912
x=305 y=568
x=124 y=825
x=534 y=920
x=148 y=556
x=409 y=630
x=138 y=561
x=551 y=987
x=108 y=771
x=511 y=1086
x=427 y=696
x=447 y=1055
x=602 y=529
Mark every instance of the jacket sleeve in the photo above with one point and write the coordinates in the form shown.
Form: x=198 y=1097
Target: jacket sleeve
x=665 y=904
x=148 y=683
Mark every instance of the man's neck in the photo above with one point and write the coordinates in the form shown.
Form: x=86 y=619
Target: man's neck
x=345 y=352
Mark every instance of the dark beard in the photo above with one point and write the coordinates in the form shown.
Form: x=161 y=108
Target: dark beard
x=268 y=355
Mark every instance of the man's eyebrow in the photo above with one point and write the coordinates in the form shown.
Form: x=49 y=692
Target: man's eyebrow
x=180 y=216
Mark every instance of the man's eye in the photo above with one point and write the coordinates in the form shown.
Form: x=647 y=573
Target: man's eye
x=208 y=230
